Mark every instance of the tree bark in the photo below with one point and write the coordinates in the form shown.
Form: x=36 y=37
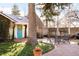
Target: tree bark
x=32 y=24
x=58 y=33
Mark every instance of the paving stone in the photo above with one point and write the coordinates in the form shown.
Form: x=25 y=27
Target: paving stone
x=64 y=50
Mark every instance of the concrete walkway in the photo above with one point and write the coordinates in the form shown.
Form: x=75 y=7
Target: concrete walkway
x=64 y=50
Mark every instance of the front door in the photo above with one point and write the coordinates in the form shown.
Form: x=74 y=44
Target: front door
x=19 y=31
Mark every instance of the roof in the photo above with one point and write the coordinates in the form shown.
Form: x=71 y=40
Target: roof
x=7 y=17
x=21 y=20
x=16 y=19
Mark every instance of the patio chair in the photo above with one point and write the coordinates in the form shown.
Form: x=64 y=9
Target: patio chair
x=66 y=38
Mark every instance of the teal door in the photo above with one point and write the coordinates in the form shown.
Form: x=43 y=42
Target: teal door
x=19 y=31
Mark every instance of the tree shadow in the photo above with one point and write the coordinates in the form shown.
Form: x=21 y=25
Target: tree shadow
x=26 y=51
x=6 y=47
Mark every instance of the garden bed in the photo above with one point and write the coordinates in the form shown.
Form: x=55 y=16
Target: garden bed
x=21 y=49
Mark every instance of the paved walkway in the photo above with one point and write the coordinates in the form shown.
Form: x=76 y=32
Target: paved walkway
x=21 y=40
x=64 y=50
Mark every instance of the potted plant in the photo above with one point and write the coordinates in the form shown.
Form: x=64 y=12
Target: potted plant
x=37 y=51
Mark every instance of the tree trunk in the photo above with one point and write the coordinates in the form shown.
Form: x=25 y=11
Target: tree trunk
x=58 y=33
x=69 y=22
x=69 y=27
x=47 y=28
x=32 y=24
x=46 y=23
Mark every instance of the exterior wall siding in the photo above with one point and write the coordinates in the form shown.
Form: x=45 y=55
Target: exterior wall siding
x=64 y=30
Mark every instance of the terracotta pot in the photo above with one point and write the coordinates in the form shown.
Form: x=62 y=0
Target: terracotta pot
x=37 y=52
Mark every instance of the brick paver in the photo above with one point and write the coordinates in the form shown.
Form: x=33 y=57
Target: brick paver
x=21 y=40
x=64 y=50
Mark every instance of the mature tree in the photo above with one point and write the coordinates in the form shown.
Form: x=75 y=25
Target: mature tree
x=32 y=24
x=49 y=10
x=71 y=17
x=15 y=10
x=53 y=9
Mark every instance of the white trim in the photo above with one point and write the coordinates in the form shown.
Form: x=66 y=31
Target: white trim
x=15 y=31
x=23 y=30
x=7 y=17
x=27 y=29
x=20 y=23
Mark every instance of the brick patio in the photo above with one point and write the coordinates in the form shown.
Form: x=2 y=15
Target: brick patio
x=21 y=40
x=64 y=50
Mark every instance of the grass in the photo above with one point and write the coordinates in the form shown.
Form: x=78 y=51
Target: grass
x=10 y=48
x=21 y=49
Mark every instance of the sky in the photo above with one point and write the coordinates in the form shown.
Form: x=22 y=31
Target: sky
x=37 y=1
x=7 y=7
x=23 y=7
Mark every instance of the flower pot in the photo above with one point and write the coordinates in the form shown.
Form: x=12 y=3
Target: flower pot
x=37 y=52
